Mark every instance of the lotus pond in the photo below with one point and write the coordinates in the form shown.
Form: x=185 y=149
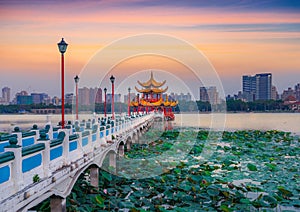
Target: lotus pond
x=245 y=171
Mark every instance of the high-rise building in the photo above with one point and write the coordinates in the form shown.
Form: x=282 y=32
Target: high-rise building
x=24 y=100
x=258 y=87
x=249 y=88
x=297 y=91
x=38 y=98
x=69 y=98
x=93 y=93
x=89 y=96
x=203 y=94
x=84 y=96
x=274 y=93
x=209 y=94
x=117 y=98
x=132 y=96
x=6 y=95
x=98 y=98
x=263 y=86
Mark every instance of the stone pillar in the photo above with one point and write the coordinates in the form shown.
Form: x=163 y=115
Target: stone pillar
x=58 y=204
x=128 y=146
x=94 y=176
x=121 y=150
x=113 y=161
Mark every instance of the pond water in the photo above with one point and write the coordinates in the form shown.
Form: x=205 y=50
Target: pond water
x=289 y=122
x=231 y=121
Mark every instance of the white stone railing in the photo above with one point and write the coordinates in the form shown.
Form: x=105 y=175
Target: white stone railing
x=27 y=157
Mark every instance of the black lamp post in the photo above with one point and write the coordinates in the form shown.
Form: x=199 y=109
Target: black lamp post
x=76 y=82
x=112 y=79
x=105 y=90
x=62 y=47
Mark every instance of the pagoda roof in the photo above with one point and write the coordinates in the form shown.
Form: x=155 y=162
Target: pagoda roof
x=151 y=90
x=151 y=83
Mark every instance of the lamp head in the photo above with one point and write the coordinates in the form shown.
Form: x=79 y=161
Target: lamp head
x=112 y=79
x=62 y=46
x=76 y=79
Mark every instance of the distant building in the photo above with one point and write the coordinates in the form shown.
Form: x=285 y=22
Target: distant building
x=24 y=100
x=69 y=98
x=249 y=88
x=89 y=96
x=203 y=94
x=263 y=86
x=39 y=98
x=6 y=95
x=93 y=93
x=287 y=94
x=297 y=91
x=98 y=98
x=117 y=98
x=258 y=87
x=274 y=93
x=56 y=101
x=22 y=93
x=132 y=96
x=84 y=96
x=209 y=94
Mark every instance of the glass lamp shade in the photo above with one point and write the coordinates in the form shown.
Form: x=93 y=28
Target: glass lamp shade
x=112 y=79
x=62 y=46
x=76 y=79
x=105 y=89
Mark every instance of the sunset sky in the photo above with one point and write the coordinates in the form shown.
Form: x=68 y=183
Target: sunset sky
x=237 y=36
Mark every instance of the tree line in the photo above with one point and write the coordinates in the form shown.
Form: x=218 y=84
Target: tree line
x=183 y=106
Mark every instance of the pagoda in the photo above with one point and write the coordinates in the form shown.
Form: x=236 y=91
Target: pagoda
x=151 y=98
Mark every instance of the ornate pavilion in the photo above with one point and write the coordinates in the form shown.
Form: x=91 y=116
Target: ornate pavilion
x=153 y=98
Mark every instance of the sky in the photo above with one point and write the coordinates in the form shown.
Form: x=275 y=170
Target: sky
x=238 y=37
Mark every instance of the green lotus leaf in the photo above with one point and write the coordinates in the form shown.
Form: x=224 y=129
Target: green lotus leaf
x=251 y=167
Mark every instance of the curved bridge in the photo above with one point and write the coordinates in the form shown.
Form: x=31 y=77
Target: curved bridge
x=35 y=166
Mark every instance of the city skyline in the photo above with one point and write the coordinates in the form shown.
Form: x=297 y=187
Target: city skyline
x=256 y=87
x=237 y=37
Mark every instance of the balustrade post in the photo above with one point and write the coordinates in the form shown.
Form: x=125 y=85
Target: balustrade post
x=19 y=135
x=37 y=132
x=90 y=141
x=65 y=146
x=50 y=132
x=108 y=137
x=16 y=172
x=45 y=154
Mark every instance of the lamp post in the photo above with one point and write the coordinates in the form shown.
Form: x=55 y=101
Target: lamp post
x=112 y=79
x=105 y=90
x=62 y=47
x=76 y=82
x=129 y=101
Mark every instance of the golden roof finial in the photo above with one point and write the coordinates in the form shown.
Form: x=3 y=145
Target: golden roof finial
x=151 y=83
